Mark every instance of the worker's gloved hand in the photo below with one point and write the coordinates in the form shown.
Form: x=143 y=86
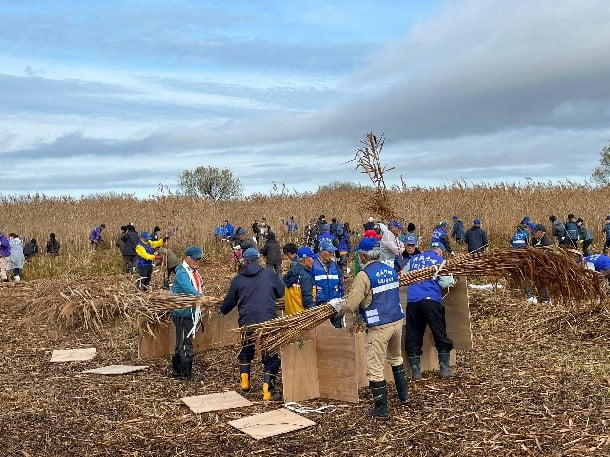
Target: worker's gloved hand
x=336 y=303
x=236 y=248
x=452 y=252
x=158 y=257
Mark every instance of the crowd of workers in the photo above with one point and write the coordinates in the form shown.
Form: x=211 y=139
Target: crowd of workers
x=317 y=273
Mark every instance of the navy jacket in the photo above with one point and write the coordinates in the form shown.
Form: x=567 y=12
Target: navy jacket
x=254 y=291
x=476 y=239
x=131 y=240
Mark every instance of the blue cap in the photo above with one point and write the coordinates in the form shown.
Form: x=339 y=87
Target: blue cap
x=455 y=217
x=241 y=231
x=194 y=252
x=531 y=226
x=251 y=254
x=145 y=235
x=326 y=245
x=438 y=245
x=525 y=219
x=410 y=238
x=477 y=222
x=395 y=223
x=305 y=252
x=368 y=244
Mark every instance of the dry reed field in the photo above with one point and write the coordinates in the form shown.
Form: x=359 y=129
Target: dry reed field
x=537 y=382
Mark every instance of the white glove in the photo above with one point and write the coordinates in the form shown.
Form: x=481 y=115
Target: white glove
x=236 y=248
x=445 y=281
x=336 y=303
x=452 y=252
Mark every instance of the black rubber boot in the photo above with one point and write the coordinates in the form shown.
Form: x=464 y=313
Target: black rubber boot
x=414 y=364
x=176 y=366
x=379 y=390
x=269 y=393
x=186 y=368
x=443 y=361
x=401 y=384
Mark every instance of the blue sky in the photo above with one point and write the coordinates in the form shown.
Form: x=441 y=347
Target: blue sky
x=123 y=95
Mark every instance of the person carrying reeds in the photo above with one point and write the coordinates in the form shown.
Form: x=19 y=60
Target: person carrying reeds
x=375 y=293
x=425 y=308
x=254 y=291
x=187 y=282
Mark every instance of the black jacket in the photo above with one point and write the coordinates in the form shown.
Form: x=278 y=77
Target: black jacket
x=131 y=240
x=476 y=239
x=272 y=250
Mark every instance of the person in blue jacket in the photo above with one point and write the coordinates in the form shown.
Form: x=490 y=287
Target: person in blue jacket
x=599 y=262
x=327 y=277
x=520 y=239
x=187 y=282
x=425 y=307
x=254 y=291
x=439 y=235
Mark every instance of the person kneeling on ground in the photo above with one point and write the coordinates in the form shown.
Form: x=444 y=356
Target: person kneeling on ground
x=375 y=291
x=254 y=291
x=187 y=282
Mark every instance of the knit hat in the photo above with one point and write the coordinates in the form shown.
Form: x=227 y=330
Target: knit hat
x=539 y=228
x=477 y=222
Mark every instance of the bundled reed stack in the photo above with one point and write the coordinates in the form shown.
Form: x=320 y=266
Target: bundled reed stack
x=553 y=270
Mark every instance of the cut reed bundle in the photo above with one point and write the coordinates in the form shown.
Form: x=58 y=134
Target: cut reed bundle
x=553 y=270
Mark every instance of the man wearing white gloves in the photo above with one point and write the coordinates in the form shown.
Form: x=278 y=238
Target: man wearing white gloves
x=375 y=292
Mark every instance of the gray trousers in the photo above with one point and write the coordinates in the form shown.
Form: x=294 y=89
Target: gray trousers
x=184 y=345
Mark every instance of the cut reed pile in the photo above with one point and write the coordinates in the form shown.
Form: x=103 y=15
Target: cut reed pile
x=551 y=270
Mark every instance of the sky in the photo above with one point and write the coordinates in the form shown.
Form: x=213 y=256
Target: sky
x=121 y=96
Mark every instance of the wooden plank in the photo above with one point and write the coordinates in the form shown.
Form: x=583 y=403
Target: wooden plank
x=271 y=423
x=160 y=343
x=300 y=371
x=116 y=369
x=215 y=402
x=457 y=314
x=217 y=328
x=72 y=355
x=337 y=370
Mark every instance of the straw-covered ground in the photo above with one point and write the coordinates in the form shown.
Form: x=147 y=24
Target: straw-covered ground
x=536 y=383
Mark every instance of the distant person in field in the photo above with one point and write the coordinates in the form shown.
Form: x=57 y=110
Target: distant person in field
x=585 y=236
x=272 y=252
x=457 y=231
x=391 y=245
x=95 y=237
x=145 y=249
x=476 y=237
x=572 y=232
x=17 y=259
x=119 y=243
x=539 y=240
x=130 y=240
x=263 y=230
x=254 y=291
x=606 y=233
x=439 y=235
x=170 y=261
x=53 y=245
x=558 y=229
x=5 y=253
x=30 y=249
x=291 y=227
x=228 y=230
x=188 y=282
x=343 y=249
x=155 y=235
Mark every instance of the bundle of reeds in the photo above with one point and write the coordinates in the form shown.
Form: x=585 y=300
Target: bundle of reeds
x=553 y=270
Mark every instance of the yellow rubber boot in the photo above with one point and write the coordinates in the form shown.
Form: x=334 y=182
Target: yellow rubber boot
x=245 y=382
x=267 y=394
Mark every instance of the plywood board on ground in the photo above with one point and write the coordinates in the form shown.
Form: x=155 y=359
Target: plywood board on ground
x=271 y=423
x=215 y=402
x=116 y=369
x=300 y=371
x=73 y=355
x=457 y=315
